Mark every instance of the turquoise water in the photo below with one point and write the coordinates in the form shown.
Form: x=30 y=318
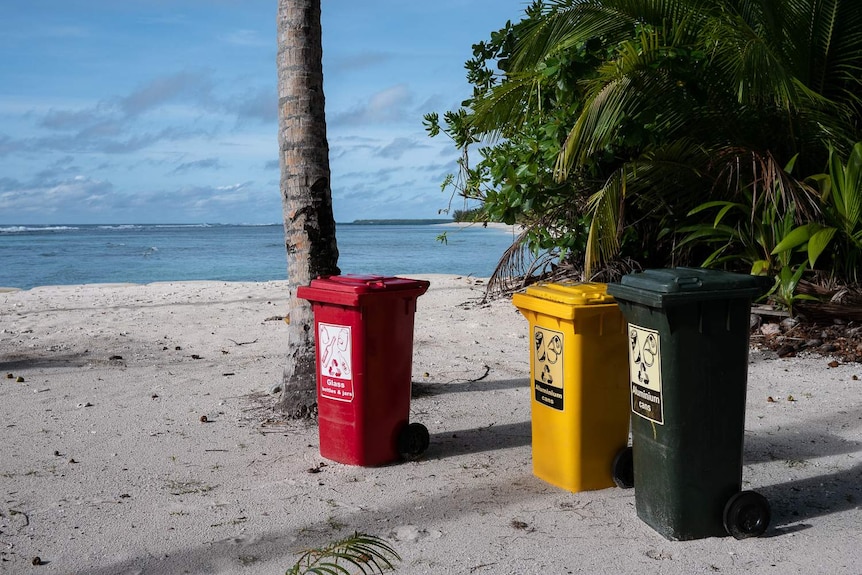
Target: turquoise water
x=76 y=254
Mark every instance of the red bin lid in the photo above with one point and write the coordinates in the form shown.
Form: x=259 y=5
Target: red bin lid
x=356 y=283
x=347 y=289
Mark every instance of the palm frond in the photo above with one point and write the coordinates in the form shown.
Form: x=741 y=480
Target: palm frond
x=367 y=553
x=505 y=106
x=606 y=207
x=768 y=181
x=751 y=64
x=628 y=86
x=520 y=266
x=567 y=23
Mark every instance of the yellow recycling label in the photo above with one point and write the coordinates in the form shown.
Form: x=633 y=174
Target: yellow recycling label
x=645 y=373
x=548 y=367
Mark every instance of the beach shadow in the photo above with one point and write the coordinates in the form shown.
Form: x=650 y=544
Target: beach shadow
x=804 y=499
x=478 y=440
x=203 y=303
x=792 y=445
x=22 y=362
x=794 y=502
x=485 y=497
x=423 y=389
x=805 y=439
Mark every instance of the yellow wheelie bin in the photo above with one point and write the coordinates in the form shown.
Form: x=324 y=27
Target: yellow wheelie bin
x=579 y=383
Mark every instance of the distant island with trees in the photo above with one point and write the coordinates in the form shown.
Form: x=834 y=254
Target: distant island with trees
x=398 y=222
x=474 y=215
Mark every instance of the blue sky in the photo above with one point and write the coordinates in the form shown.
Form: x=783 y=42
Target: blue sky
x=164 y=111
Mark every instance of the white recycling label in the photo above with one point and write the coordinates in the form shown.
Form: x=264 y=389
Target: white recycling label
x=335 y=347
x=645 y=373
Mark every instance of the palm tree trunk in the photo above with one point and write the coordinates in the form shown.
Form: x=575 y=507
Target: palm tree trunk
x=309 y=226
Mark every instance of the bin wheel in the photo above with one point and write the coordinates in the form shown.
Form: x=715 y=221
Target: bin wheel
x=623 y=469
x=747 y=514
x=413 y=440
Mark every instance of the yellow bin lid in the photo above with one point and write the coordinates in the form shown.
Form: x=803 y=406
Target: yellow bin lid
x=572 y=293
x=563 y=298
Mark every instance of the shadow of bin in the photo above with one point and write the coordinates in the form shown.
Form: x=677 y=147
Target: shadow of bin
x=363 y=327
x=579 y=383
x=688 y=367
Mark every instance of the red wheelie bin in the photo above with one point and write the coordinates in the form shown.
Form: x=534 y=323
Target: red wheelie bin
x=363 y=326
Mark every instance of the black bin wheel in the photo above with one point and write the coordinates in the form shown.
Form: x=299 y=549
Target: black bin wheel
x=623 y=469
x=413 y=440
x=747 y=514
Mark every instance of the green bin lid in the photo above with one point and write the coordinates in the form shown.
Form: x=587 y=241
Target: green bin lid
x=572 y=293
x=673 y=286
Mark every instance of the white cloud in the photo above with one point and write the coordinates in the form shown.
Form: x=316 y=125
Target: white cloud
x=194 y=86
x=247 y=38
x=395 y=149
x=204 y=164
x=387 y=106
x=153 y=110
x=80 y=198
x=357 y=62
x=53 y=197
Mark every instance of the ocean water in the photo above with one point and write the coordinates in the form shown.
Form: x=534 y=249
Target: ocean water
x=77 y=254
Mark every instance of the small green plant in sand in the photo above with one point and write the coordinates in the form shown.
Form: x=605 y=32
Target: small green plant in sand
x=367 y=553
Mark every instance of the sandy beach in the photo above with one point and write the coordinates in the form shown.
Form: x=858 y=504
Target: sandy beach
x=107 y=467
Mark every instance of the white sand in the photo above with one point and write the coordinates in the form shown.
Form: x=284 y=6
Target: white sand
x=106 y=467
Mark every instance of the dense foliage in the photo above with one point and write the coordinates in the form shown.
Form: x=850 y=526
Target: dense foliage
x=670 y=132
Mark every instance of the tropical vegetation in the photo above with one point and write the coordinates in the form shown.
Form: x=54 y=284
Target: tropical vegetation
x=647 y=133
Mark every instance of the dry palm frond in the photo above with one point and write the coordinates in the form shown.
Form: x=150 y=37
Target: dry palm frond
x=842 y=302
x=613 y=270
x=520 y=267
x=769 y=182
x=832 y=292
x=828 y=311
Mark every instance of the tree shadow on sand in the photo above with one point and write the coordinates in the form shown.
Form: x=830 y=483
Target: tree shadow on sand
x=423 y=389
x=18 y=362
x=795 y=501
x=230 y=555
x=479 y=439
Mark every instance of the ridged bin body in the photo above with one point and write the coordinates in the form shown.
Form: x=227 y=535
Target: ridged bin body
x=688 y=357
x=364 y=349
x=578 y=383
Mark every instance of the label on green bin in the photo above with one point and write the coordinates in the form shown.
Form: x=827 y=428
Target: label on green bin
x=645 y=373
x=548 y=367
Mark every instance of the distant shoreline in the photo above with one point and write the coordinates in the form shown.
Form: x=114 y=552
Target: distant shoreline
x=237 y=253
x=514 y=228
x=24 y=228
x=397 y=222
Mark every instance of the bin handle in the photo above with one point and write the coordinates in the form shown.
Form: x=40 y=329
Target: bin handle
x=690 y=281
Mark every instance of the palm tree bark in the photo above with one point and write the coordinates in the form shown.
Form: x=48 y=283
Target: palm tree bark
x=309 y=226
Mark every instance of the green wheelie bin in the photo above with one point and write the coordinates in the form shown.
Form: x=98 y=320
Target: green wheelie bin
x=688 y=335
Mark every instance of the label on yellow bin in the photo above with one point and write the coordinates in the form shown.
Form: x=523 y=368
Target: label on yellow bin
x=548 y=366
x=645 y=373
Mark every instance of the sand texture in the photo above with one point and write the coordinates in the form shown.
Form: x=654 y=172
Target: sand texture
x=106 y=467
